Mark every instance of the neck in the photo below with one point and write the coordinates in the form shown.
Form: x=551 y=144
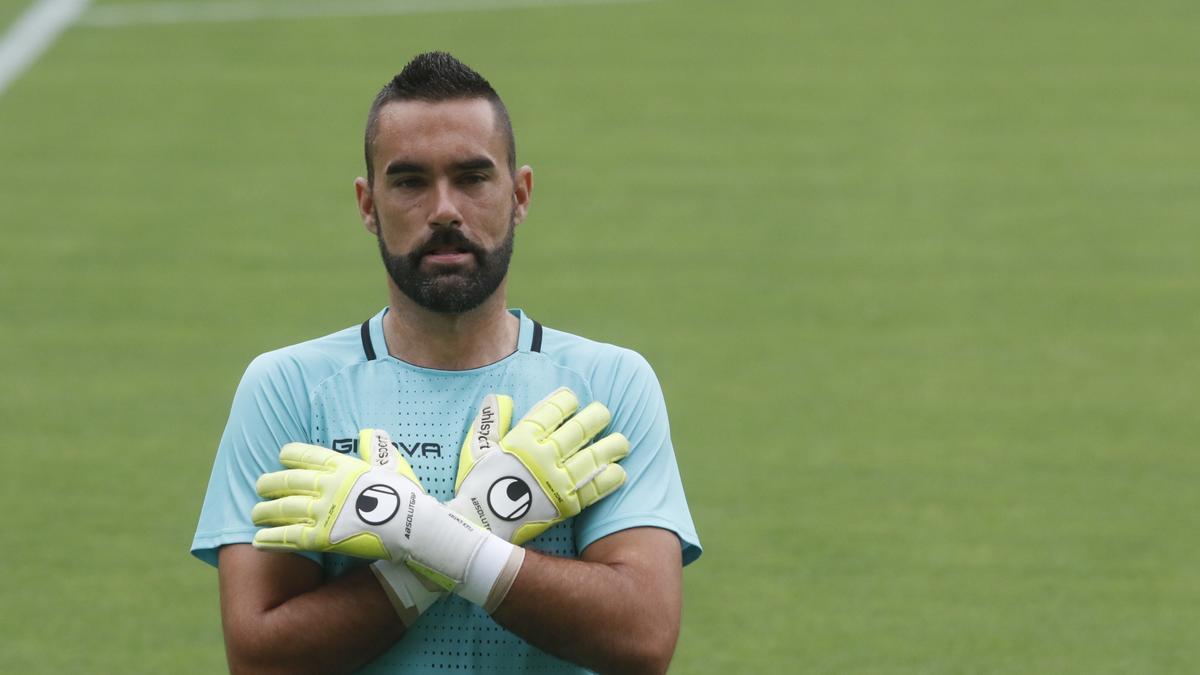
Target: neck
x=473 y=339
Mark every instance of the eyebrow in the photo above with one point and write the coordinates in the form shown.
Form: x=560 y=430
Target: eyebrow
x=404 y=167
x=473 y=164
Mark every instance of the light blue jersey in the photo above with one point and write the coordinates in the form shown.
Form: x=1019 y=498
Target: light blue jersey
x=323 y=391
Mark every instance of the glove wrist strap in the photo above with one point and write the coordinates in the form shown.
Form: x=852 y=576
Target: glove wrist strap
x=505 y=580
x=491 y=572
x=408 y=594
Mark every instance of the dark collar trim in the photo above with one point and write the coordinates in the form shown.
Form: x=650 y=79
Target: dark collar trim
x=535 y=345
x=368 y=348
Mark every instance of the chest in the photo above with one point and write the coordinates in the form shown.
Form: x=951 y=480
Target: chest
x=428 y=414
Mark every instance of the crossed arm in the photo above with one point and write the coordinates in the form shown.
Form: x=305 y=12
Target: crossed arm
x=617 y=609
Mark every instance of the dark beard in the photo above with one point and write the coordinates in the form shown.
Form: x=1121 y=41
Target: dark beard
x=449 y=292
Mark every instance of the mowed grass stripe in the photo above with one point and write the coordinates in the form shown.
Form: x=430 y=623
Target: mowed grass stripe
x=134 y=14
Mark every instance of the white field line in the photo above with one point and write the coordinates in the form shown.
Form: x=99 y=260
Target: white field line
x=221 y=12
x=32 y=34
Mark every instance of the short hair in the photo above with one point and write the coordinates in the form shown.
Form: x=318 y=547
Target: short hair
x=435 y=77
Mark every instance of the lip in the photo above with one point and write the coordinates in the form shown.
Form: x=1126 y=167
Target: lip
x=447 y=258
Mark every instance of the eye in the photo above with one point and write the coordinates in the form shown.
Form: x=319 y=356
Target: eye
x=377 y=504
x=509 y=498
x=472 y=179
x=410 y=183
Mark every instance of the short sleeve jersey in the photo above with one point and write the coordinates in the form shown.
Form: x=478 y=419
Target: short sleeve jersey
x=323 y=391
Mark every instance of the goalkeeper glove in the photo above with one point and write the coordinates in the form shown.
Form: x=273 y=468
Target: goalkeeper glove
x=339 y=504
x=410 y=593
x=518 y=483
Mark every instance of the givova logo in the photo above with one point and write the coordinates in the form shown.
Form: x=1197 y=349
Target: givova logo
x=377 y=504
x=348 y=446
x=509 y=498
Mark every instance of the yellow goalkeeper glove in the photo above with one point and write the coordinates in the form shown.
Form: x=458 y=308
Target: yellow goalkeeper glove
x=329 y=502
x=519 y=483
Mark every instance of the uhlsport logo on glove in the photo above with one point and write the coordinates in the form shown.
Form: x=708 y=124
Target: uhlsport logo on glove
x=517 y=481
x=377 y=504
x=509 y=498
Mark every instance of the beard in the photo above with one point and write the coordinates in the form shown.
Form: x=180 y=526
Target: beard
x=449 y=291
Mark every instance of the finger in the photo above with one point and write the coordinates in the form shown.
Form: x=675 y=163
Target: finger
x=290 y=482
x=492 y=422
x=583 y=465
x=305 y=456
x=375 y=447
x=289 y=538
x=291 y=510
x=490 y=425
x=578 y=430
x=611 y=448
x=549 y=413
x=601 y=485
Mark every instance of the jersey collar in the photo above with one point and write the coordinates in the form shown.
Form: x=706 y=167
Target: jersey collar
x=529 y=336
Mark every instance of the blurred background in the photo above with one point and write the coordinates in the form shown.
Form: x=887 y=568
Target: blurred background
x=919 y=280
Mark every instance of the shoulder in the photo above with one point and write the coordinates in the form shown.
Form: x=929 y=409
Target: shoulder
x=589 y=355
x=306 y=364
x=606 y=366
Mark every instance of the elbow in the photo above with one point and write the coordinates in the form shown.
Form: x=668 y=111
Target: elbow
x=244 y=660
x=656 y=661
x=251 y=664
x=658 y=633
x=249 y=653
x=650 y=664
x=244 y=651
x=240 y=665
x=645 y=663
x=652 y=654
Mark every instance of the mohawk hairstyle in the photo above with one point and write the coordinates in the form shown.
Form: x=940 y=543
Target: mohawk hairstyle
x=434 y=77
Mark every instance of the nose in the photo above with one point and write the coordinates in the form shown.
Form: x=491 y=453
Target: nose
x=445 y=211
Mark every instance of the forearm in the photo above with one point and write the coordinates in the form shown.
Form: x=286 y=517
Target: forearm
x=335 y=626
x=615 y=616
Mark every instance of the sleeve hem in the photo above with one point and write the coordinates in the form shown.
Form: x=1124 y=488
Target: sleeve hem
x=689 y=542
x=206 y=545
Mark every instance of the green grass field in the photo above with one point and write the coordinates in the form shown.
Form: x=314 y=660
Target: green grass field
x=919 y=280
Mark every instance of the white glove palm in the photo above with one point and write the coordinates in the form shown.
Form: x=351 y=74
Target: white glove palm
x=518 y=483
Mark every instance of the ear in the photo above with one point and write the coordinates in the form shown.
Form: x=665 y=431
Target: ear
x=522 y=192
x=366 y=205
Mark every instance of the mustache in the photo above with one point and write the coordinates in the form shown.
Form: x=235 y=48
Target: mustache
x=447 y=237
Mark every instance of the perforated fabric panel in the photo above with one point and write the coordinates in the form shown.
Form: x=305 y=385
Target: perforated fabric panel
x=324 y=390
x=427 y=413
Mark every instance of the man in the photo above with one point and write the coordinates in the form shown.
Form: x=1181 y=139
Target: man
x=443 y=196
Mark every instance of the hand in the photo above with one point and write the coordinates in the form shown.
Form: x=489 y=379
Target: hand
x=493 y=488
x=330 y=502
x=518 y=483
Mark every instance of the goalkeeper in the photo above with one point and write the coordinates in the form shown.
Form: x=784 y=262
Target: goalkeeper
x=598 y=591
